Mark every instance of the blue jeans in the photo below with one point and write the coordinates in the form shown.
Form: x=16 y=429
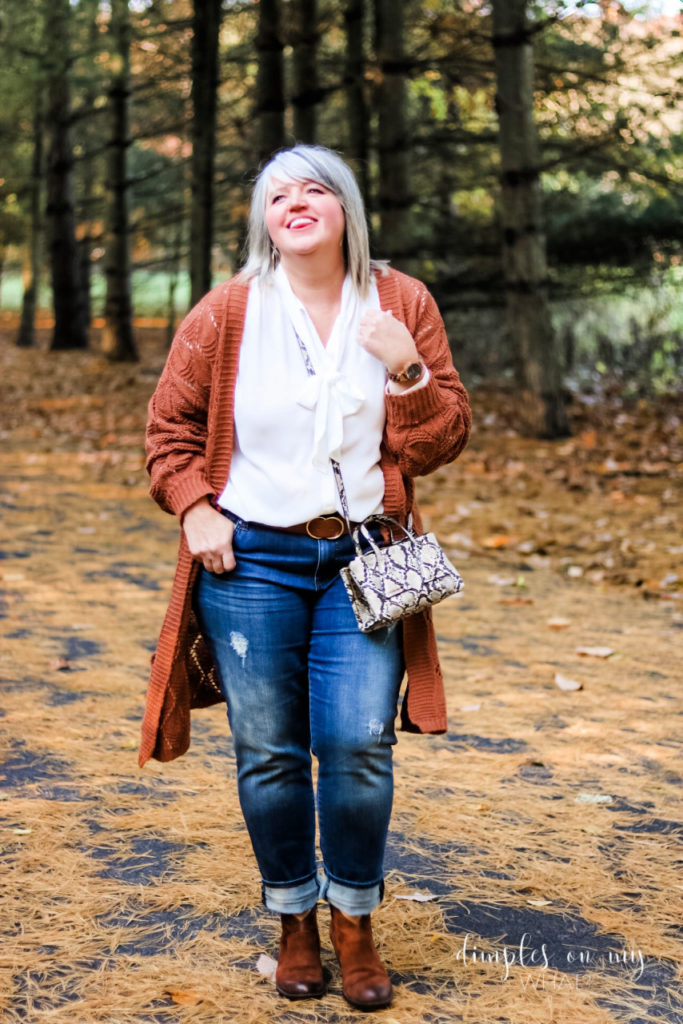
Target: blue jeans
x=299 y=677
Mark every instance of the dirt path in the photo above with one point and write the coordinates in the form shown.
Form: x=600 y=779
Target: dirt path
x=540 y=833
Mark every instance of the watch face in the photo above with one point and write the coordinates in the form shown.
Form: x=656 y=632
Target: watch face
x=413 y=371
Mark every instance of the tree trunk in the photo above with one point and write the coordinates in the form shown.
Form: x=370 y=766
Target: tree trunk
x=118 y=342
x=173 y=274
x=524 y=253
x=26 y=336
x=270 y=89
x=306 y=91
x=88 y=182
x=70 y=330
x=356 y=104
x=392 y=133
x=205 y=38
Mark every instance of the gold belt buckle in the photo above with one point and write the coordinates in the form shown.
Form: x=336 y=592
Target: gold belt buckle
x=325 y=519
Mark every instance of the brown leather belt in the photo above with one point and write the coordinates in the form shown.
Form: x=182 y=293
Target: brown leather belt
x=329 y=527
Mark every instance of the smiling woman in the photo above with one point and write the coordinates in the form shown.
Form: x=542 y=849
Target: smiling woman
x=311 y=358
x=304 y=213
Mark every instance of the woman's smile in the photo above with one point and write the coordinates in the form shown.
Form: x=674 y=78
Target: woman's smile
x=301 y=222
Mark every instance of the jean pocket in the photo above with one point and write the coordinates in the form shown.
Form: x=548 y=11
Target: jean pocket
x=239 y=524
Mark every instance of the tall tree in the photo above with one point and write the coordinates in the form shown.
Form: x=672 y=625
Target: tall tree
x=392 y=130
x=270 y=85
x=70 y=330
x=524 y=254
x=88 y=178
x=306 y=95
x=118 y=342
x=356 y=103
x=206 y=25
x=29 y=302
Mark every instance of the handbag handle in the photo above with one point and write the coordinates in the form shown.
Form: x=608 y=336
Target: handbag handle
x=362 y=529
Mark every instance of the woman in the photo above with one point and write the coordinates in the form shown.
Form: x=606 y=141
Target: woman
x=310 y=354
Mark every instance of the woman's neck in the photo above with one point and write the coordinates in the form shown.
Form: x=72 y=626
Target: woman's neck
x=319 y=289
x=315 y=284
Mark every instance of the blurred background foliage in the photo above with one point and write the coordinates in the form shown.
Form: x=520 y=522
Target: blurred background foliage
x=606 y=105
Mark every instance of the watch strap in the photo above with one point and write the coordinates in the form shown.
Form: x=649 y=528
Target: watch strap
x=410 y=375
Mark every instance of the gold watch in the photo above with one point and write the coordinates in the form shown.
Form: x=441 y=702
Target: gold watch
x=410 y=375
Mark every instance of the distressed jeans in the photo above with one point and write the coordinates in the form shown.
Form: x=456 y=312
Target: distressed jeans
x=300 y=678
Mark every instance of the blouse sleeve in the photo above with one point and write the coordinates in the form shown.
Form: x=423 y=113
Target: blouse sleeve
x=428 y=427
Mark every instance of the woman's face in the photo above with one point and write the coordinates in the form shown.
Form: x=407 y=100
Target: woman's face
x=304 y=217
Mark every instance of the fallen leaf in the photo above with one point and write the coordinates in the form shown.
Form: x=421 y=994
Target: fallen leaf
x=417 y=897
x=595 y=652
x=574 y=572
x=593 y=798
x=558 y=623
x=539 y=903
x=22 y=831
x=527 y=547
x=60 y=664
x=183 y=998
x=458 y=540
x=498 y=540
x=474 y=467
x=515 y=600
x=567 y=684
x=266 y=966
x=478 y=807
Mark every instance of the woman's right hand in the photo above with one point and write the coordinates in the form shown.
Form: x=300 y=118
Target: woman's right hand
x=209 y=536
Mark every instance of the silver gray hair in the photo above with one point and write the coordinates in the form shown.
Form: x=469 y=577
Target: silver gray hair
x=310 y=163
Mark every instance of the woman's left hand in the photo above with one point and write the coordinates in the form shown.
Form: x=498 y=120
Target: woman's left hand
x=386 y=338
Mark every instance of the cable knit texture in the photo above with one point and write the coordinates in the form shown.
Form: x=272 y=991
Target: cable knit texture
x=190 y=435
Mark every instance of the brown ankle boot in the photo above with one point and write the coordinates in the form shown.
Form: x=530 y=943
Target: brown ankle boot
x=299 y=973
x=365 y=982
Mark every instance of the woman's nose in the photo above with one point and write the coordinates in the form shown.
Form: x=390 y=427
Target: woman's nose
x=297 y=199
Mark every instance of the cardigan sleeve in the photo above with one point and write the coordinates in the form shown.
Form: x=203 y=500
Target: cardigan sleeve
x=176 y=435
x=428 y=427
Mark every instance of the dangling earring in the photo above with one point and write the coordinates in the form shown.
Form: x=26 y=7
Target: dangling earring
x=274 y=256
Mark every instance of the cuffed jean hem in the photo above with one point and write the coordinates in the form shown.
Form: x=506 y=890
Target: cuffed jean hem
x=291 y=899
x=350 y=899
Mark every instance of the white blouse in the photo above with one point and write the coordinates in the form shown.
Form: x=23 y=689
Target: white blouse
x=288 y=425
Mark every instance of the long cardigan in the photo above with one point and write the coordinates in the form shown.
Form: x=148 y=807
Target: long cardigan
x=190 y=437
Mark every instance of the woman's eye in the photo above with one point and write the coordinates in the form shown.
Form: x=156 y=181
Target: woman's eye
x=316 y=188
x=277 y=198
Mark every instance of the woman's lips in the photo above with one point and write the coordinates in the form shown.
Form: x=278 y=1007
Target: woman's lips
x=300 y=222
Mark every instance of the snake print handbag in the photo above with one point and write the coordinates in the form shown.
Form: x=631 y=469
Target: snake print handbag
x=389 y=583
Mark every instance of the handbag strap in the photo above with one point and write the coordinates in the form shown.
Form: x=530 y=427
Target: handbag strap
x=336 y=468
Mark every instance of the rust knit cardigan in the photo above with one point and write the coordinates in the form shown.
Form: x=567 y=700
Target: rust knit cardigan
x=190 y=435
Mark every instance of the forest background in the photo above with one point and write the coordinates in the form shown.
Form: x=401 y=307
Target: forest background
x=516 y=156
